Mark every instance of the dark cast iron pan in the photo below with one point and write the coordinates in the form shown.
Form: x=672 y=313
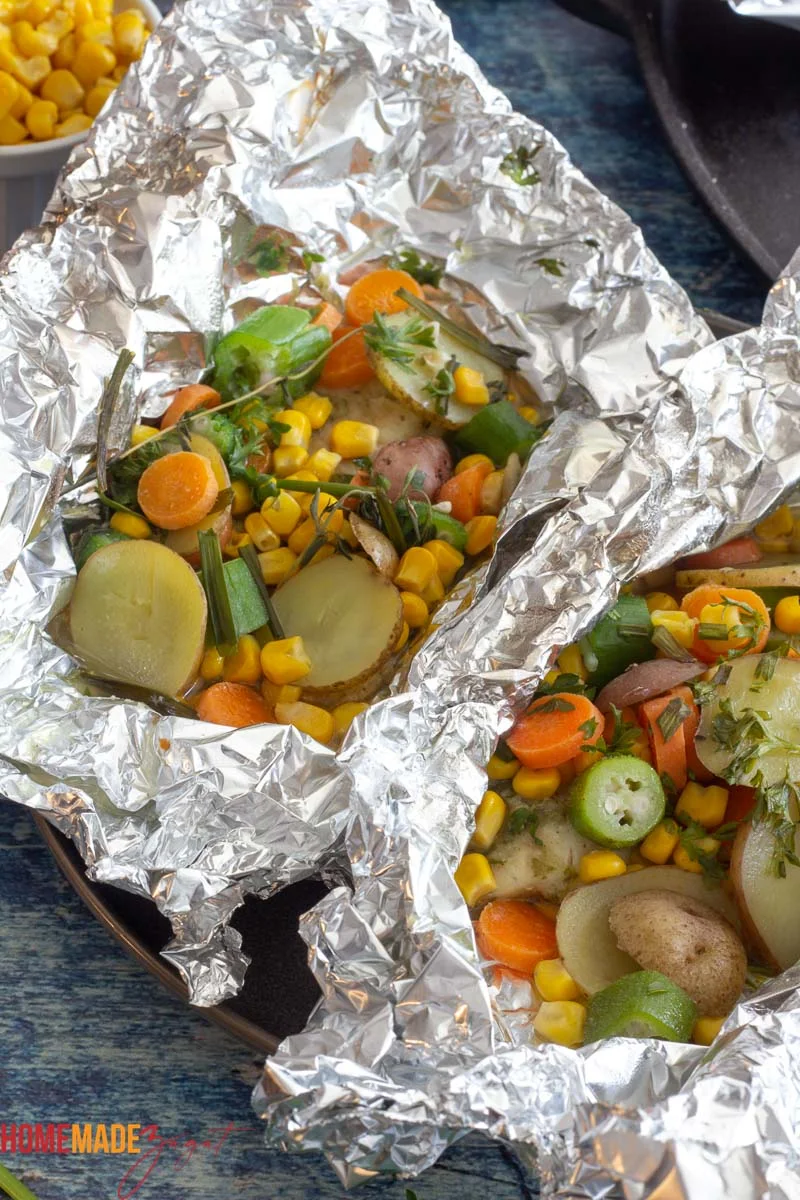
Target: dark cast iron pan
x=727 y=91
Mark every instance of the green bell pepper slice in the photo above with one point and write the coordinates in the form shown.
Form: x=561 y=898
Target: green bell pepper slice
x=617 y=801
x=641 y=1005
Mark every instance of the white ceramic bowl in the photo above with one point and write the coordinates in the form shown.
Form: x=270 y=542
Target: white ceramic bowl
x=28 y=172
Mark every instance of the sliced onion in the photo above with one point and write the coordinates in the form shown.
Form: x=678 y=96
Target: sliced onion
x=643 y=681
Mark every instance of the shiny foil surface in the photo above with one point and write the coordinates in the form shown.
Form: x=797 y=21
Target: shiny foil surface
x=355 y=128
x=785 y=12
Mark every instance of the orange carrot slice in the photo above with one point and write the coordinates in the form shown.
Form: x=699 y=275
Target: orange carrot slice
x=347 y=364
x=694 y=602
x=232 y=704
x=737 y=553
x=376 y=293
x=186 y=399
x=327 y=316
x=669 y=756
x=177 y=490
x=516 y=934
x=464 y=492
x=699 y=772
x=555 y=729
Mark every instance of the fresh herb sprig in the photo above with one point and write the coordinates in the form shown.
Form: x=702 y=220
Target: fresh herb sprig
x=777 y=805
x=399 y=343
x=418 y=268
x=525 y=819
x=518 y=165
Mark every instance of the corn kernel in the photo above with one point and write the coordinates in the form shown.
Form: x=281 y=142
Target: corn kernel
x=499 y=768
x=560 y=1021
x=65 y=53
x=73 y=123
x=474 y=878
x=11 y=132
x=211 y=665
x=679 y=624
x=471 y=387
x=261 y=535
x=299 y=431
x=536 y=783
x=304 y=499
x=323 y=463
x=480 y=534
x=720 y=614
x=9 y=94
x=91 y=61
x=82 y=11
x=57 y=26
x=237 y=540
x=344 y=715
x=317 y=408
x=281 y=512
x=41 y=120
x=600 y=864
x=119 y=72
x=553 y=981
x=529 y=413
x=23 y=101
x=705 y=1030
x=353 y=438
x=97 y=96
x=308 y=718
x=705 y=805
x=31 y=71
x=660 y=842
x=449 y=561
x=683 y=859
x=30 y=41
x=787 y=614
x=776 y=525
x=323 y=552
x=97 y=30
x=130 y=34
x=243 y=502
x=286 y=459
x=489 y=818
x=276 y=565
x=415 y=610
x=474 y=460
x=491 y=498
x=416 y=570
x=63 y=88
x=141 y=434
x=285 y=660
x=402 y=638
x=302 y=537
x=570 y=662
x=661 y=602
x=131 y=524
x=434 y=593
x=37 y=10
x=349 y=536
x=244 y=665
x=280 y=693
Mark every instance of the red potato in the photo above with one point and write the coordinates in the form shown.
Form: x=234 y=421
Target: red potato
x=643 y=681
x=429 y=455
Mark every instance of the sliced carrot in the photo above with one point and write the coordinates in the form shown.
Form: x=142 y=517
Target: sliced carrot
x=464 y=492
x=186 y=399
x=516 y=934
x=232 y=704
x=669 y=757
x=737 y=553
x=327 y=316
x=638 y=746
x=741 y=800
x=376 y=293
x=698 y=771
x=555 y=729
x=585 y=759
x=177 y=490
x=347 y=364
x=694 y=602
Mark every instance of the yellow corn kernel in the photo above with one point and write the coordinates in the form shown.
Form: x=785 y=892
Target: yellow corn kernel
x=347 y=535
x=323 y=463
x=9 y=94
x=73 y=123
x=302 y=537
x=353 y=438
x=316 y=408
x=416 y=570
x=22 y=103
x=474 y=878
x=142 y=433
x=660 y=842
x=31 y=71
x=82 y=11
x=244 y=665
x=683 y=859
x=489 y=818
x=600 y=864
x=720 y=614
x=119 y=72
x=776 y=545
x=491 y=500
x=553 y=981
x=243 y=502
x=705 y=805
x=280 y=693
x=661 y=602
x=62 y=59
x=480 y=534
x=97 y=96
x=11 y=132
x=474 y=460
x=103 y=8
x=570 y=662
x=261 y=535
x=344 y=715
x=679 y=624
x=299 y=431
x=131 y=524
x=705 y=1030
x=235 y=544
x=211 y=665
x=536 y=784
x=97 y=30
x=308 y=718
x=130 y=34
x=560 y=1021
x=276 y=565
x=281 y=512
x=402 y=638
x=529 y=413
x=286 y=459
x=63 y=88
x=776 y=525
x=434 y=593
x=415 y=610
x=303 y=498
x=30 y=41
x=91 y=61
x=449 y=561
x=41 y=120
x=499 y=768
x=471 y=387
x=285 y=660
x=37 y=10
x=787 y=614
x=57 y=26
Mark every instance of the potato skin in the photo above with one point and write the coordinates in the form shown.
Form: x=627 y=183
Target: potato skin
x=687 y=941
x=429 y=455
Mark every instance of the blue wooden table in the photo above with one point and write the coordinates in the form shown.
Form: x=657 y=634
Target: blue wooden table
x=85 y=1035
